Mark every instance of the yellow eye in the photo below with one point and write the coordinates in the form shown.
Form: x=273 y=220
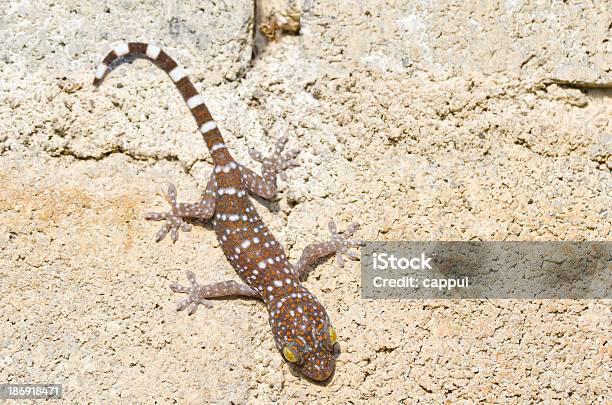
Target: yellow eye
x=290 y=354
x=332 y=334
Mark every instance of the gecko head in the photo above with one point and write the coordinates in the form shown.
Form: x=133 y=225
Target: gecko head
x=304 y=335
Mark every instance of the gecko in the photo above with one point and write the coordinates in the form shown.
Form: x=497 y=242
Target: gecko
x=302 y=330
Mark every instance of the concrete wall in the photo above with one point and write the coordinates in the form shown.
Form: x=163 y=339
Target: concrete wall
x=420 y=120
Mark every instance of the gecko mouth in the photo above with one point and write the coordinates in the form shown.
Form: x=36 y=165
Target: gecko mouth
x=319 y=375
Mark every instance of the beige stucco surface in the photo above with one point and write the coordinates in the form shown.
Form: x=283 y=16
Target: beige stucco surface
x=420 y=120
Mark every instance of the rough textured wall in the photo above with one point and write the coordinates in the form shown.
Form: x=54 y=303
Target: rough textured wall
x=419 y=120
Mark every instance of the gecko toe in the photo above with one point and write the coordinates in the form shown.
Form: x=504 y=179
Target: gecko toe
x=256 y=156
x=184 y=303
x=154 y=216
x=163 y=231
x=193 y=307
x=351 y=254
x=177 y=288
x=280 y=144
x=339 y=258
x=332 y=228
x=350 y=229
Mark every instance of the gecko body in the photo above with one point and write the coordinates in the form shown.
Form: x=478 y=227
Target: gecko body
x=302 y=330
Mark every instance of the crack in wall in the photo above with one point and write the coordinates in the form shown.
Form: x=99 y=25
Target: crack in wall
x=271 y=20
x=187 y=167
x=580 y=85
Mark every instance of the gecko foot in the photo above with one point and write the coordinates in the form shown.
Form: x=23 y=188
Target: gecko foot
x=341 y=242
x=192 y=300
x=173 y=218
x=277 y=163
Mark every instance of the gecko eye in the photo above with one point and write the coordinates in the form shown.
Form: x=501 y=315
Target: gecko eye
x=291 y=354
x=332 y=335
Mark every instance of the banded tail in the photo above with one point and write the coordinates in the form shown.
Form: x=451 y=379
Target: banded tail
x=206 y=125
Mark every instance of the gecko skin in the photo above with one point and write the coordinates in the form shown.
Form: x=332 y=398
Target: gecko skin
x=302 y=330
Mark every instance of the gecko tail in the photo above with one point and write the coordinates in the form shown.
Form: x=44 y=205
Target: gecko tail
x=206 y=125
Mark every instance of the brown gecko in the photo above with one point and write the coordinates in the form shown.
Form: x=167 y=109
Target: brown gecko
x=301 y=327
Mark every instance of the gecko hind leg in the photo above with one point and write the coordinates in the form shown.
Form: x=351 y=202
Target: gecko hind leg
x=275 y=165
x=204 y=209
x=199 y=294
x=338 y=244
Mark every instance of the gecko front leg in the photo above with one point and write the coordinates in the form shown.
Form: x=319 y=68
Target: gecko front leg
x=199 y=294
x=338 y=244
x=274 y=165
x=204 y=209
